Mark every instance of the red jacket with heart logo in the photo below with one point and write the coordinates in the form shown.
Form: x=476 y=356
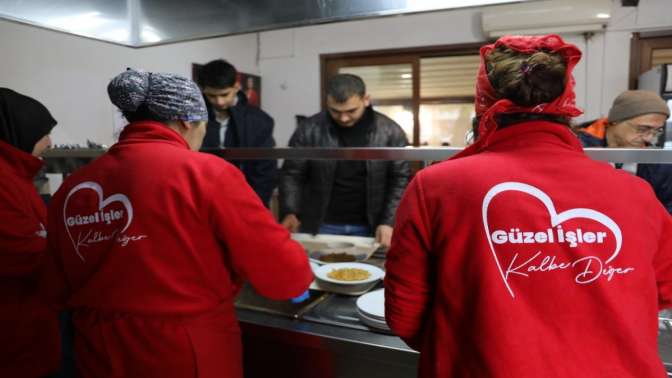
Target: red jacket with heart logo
x=529 y=259
x=151 y=243
x=29 y=341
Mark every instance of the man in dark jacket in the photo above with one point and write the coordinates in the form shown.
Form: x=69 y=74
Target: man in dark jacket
x=234 y=123
x=349 y=197
x=636 y=120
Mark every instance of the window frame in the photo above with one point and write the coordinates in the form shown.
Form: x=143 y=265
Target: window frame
x=331 y=63
x=641 y=53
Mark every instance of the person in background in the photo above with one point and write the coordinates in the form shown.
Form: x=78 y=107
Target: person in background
x=152 y=241
x=636 y=120
x=347 y=197
x=513 y=259
x=251 y=92
x=29 y=338
x=232 y=122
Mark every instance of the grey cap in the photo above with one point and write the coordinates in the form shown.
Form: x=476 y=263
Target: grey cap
x=631 y=104
x=169 y=96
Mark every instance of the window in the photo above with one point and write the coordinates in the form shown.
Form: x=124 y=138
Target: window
x=661 y=56
x=648 y=52
x=429 y=92
x=391 y=89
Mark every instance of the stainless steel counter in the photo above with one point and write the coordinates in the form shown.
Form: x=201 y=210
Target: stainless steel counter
x=338 y=337
x=320 y=337
x=619 y=155
x=306 y=348
x=281 y=346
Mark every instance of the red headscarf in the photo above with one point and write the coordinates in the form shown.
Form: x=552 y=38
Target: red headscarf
x=488 y=104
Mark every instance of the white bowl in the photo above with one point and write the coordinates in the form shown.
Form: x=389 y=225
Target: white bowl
x=375 y=273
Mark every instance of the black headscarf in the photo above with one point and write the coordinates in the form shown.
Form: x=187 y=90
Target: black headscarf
x=23 y=120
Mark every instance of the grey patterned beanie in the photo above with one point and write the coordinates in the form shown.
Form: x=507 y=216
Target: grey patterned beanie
x=171 y=97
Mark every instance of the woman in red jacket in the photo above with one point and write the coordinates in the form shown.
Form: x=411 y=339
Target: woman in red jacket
x=29 y=342
x=153 y=240
x=522 y=257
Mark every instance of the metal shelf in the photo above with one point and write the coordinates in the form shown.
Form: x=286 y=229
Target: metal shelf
x=618 y=155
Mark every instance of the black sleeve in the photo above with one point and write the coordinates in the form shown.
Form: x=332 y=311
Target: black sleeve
x=293 y=176
x=398 y=172
x=211 y=138
x=262 y=174
x=659 y=176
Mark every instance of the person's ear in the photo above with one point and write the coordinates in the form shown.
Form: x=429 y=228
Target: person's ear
x=237 y=86
x=186 y=126
x=367 y=100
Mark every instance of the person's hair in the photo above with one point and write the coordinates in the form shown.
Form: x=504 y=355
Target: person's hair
x=508 y=119
x=526 y=79
x=343 y=86
x=218 y=74
x=142 y=114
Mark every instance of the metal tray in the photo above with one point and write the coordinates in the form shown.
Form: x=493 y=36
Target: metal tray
x=250 y=300
x=339 y=310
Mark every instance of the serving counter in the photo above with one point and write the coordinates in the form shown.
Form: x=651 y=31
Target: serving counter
x=59 y=160
x=323 y=343
x=324 y=337
x=277 y=346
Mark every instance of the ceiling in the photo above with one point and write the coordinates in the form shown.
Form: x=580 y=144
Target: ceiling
x=139 y=23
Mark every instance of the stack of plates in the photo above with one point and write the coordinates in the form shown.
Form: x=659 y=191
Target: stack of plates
x=371 y=309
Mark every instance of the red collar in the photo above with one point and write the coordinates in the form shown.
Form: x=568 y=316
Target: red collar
x=22 y=163
x=532 y=134
x=151 y=131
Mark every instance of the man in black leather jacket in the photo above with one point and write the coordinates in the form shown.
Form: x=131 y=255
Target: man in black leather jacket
x=347 y=197
x=234 y=123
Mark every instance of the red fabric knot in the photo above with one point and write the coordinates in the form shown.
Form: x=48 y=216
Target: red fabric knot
x=488 y=104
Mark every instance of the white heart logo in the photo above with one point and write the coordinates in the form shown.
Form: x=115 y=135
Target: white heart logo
x=556 y=218
x=102 y=203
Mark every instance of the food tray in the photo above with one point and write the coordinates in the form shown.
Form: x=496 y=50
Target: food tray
x=313 y=243
x=249 y=299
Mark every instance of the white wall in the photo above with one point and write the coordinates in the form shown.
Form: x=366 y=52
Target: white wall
x=70 y=74
x=649 y=16
x=290 y=59
x=290 y=65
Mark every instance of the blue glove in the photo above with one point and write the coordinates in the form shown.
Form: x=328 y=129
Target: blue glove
x=301 y=298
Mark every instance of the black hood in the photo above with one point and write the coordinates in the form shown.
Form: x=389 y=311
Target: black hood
x=23 y=120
